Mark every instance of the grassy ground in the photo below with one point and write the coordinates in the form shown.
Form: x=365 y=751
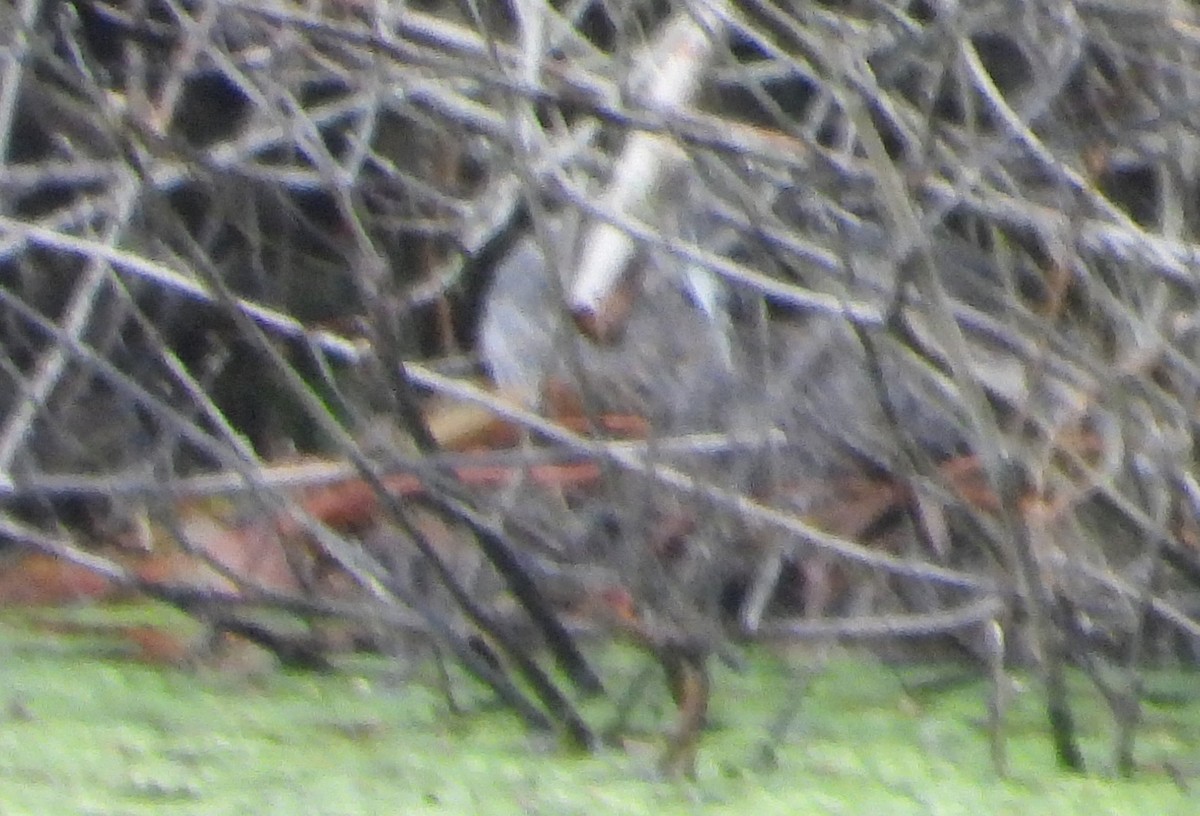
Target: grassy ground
x=84 y=732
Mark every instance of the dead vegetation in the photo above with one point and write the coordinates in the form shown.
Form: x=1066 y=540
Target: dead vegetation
x=458 y=323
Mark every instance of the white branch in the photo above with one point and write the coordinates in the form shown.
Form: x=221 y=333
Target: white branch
x=678 y=63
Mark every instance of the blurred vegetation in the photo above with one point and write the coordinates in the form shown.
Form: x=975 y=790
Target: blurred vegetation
x=697 y=323
x=84 y=733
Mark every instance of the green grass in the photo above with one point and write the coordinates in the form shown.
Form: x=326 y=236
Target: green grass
x=81 y=732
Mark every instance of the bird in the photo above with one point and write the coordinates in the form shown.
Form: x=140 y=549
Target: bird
x=684 y=654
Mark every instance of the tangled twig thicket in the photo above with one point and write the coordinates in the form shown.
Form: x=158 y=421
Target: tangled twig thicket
x=903 y=293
